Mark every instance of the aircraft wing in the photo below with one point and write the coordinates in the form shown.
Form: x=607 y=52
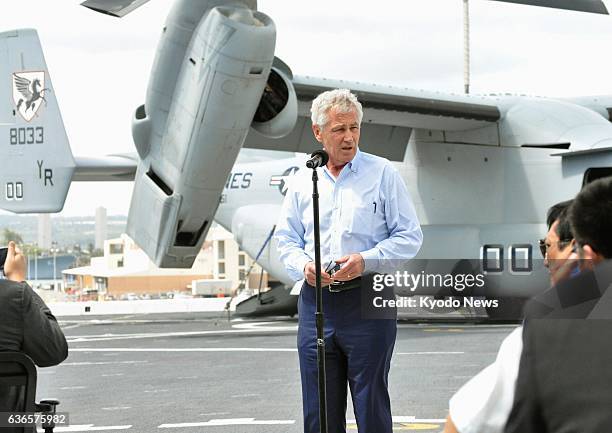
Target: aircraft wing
x=591 y=6
x=390 y=114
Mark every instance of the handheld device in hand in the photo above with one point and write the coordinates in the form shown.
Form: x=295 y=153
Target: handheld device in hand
x=332 y=268
x=3 y=253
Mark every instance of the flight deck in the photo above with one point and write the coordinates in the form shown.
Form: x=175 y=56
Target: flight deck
x=199 y=372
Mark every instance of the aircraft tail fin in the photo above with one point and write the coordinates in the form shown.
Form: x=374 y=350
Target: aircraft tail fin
x=36 y=163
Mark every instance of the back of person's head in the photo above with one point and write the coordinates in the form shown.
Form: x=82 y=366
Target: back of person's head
x=590 y=217
x=555 y=212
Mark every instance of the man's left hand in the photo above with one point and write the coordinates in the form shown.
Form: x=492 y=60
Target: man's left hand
x=352 y=267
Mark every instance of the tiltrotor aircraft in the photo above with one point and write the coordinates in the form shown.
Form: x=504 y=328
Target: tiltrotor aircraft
x=477 y=167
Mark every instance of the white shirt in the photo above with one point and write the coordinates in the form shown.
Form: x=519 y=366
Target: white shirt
x=483 y=404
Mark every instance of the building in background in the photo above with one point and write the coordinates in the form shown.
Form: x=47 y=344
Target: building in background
x=126 y=272
x=46 y=272
x=101 y=228
x=231 y=262
x=44 y=231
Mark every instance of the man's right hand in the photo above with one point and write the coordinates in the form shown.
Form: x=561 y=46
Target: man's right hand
x=311 y=275
x=15 y=264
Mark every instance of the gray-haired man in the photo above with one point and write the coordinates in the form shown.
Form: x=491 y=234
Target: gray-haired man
x=367 y=218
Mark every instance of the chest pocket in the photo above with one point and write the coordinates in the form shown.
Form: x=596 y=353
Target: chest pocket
x=358 y=211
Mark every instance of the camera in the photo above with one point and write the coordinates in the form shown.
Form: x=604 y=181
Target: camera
x=3 y=254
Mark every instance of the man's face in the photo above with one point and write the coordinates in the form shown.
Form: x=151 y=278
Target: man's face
x=556 y=252
x=340 y=136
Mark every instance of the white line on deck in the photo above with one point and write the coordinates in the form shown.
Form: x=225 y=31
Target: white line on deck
x=229 y=422
x=209 y=349
x=102 y=362
x=108 y=337
x=184 y=349
x=429 y=353
x=89 y=427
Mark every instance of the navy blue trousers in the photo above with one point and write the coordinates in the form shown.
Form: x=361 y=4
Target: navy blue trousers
x=358 y=354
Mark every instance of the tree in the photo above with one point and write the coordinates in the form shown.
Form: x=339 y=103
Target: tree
x=9 y=235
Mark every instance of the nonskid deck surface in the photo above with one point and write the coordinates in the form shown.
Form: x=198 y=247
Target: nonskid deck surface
x=202 y=373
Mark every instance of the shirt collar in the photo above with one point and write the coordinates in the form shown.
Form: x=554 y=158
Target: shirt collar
x=354 y=163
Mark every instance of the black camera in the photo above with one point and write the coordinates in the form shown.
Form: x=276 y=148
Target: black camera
x=3 y=253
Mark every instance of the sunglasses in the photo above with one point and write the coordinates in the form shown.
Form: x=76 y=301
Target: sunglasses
x=544 y=248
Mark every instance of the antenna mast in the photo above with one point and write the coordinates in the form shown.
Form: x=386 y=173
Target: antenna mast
x=466 y=46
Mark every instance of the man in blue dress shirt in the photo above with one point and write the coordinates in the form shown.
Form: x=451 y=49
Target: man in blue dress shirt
x=367 y=221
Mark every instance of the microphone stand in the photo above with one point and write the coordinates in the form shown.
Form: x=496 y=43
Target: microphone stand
x=319 y=305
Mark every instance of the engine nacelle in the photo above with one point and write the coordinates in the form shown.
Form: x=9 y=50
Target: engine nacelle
x=277 y=111
x=193 y=128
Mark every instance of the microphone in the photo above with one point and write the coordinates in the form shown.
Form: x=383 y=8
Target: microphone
x=318 y=158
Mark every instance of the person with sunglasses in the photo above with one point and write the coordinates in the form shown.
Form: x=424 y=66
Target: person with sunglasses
x=559 y=242
x=564 y=378
x=483 y=404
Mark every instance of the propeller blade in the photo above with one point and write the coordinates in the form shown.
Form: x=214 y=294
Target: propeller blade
x=592 y=6
x=116 y=8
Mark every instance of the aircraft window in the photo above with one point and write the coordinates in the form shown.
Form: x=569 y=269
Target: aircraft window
x=10 y=191
x=19 y=190
x=521 y=258
x=492 y=257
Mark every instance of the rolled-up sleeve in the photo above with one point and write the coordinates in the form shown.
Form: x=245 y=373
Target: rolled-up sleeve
x=405 y=235
x=289 y=235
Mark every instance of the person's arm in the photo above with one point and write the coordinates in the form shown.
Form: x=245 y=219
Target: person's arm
x=43 y=340
x=289 y=234
x=405 y=235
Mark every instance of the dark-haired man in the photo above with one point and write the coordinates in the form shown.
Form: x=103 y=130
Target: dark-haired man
x=565 y=378
x=557 y=246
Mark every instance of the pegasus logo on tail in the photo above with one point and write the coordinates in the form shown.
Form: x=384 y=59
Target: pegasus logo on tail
x=28 y=90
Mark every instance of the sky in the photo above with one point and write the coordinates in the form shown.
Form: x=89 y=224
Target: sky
x=100 y=65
